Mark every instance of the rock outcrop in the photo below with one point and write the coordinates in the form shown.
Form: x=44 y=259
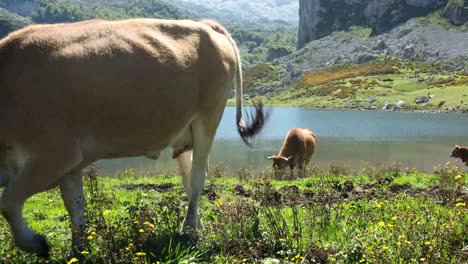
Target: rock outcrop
x=319 y=18
x=456 y=12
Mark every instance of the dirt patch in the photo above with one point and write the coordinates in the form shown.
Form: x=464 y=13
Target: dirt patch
x=164 y=187
x=240 y=190
x=316 y=254
x=210 y=191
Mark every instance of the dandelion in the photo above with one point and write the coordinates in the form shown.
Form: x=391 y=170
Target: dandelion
x=394 y=218
x=244 y=260
x=398 y=243
x=93 y=233
x=148 y=224
x=72 y=260
x=380 y=205
x=390 y=225
x=141 y=230
x=107 y=212
x=381 y=224
x=90 y=238
x=385 y=248
x=427 y=243
x=422 y=259
x=84 y=252
x=218 y=203
x=362 y=260
x=140 y=254
x=460 y=204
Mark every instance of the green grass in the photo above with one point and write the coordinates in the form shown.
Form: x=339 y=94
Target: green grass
x=339 y=85
x=388 y=215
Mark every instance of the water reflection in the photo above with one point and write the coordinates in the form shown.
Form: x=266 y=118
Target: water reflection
x=344 y=137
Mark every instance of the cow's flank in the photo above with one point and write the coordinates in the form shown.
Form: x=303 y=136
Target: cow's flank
x=71 y=94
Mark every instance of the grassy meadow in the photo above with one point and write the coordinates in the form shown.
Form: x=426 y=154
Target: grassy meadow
x=379 y=214
x=361 y=86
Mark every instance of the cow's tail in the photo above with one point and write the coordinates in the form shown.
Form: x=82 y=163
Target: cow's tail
x=250 y=128
x=257 y=117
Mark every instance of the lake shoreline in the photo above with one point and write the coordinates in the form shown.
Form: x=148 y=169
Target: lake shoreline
x=423 y=111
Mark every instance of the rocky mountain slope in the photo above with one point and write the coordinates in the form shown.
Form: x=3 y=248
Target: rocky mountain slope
x=10 y=21
x=258 y=13
x=416 y=40
x=319 y=18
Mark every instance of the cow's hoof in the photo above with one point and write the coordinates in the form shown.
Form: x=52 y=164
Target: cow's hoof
x=42 y=248
x=190 y=233
x=37 y=245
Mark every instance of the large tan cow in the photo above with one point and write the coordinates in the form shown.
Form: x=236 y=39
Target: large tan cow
x=71 y=94
x=297 y=149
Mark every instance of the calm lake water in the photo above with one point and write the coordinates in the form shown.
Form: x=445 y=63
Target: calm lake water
x=348 y=138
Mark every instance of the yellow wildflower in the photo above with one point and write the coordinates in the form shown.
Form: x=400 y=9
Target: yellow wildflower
x=460 y=204
x=381 y=223
x=427 y=243
x=362 y=261
x=148 y=224
x=244 y=260
x=384 y=248
x=390 y=225
x=90 y=238
x=458 y=177
x=422 y=259
x=107 y=212
x=84 y=252
x=394 y=218
x=141 y=230
x=72 y=260
x=140 y=254
x=219 y=203
x=398 y=243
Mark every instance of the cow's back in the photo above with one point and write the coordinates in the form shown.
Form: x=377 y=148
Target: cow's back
x=113 y=78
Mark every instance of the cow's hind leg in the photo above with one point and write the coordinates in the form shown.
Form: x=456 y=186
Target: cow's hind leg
x=203 y=135
x=42 y=171
x=71 y=189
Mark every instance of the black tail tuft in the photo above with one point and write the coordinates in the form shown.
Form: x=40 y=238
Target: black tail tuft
x=253 y=123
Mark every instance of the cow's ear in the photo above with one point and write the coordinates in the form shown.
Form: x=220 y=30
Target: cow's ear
x=269 y=158
x=456 y=146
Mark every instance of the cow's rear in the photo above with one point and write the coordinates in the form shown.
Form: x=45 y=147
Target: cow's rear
x=72 y=94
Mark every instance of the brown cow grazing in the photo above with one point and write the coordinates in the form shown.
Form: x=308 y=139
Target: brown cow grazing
x=298 y=148
x=460 y=152
x=71 y=94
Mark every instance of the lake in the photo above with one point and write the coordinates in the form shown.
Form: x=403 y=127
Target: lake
x=416 y=140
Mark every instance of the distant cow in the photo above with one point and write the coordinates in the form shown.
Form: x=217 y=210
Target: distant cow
x=297 y=150
x=460 y=152
x=71 y=94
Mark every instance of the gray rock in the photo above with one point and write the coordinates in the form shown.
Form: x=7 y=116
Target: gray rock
x=456 y=12
x=364 y=58
x=421 y=99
